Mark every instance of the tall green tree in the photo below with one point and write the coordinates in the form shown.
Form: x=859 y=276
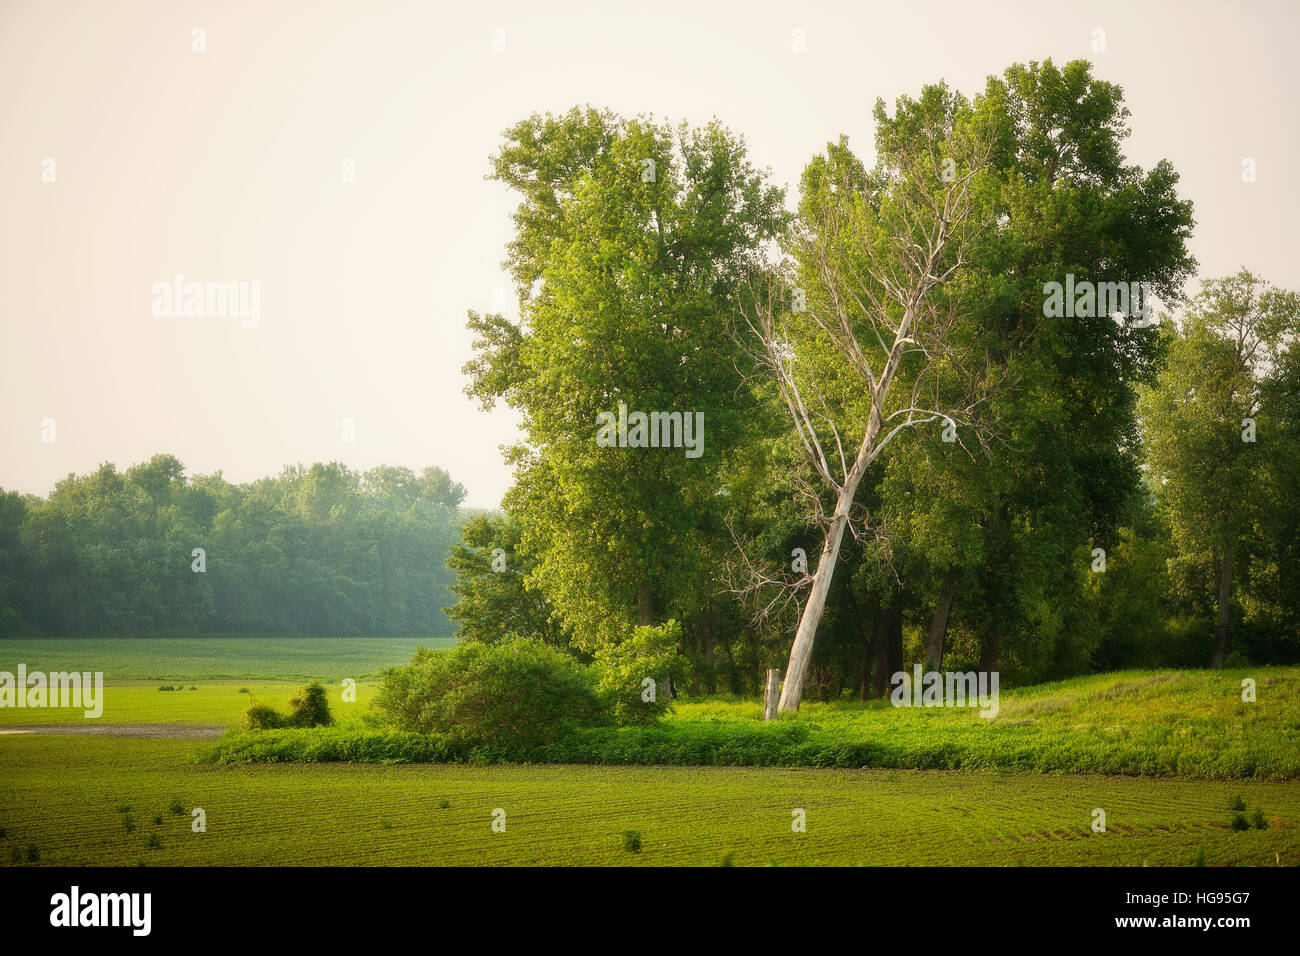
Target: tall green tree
x=631 y=239
x=1202 y=425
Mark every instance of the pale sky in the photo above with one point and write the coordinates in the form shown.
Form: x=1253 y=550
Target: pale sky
x=227 y=165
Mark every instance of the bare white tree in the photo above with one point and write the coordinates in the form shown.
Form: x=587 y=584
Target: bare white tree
x=875 y=260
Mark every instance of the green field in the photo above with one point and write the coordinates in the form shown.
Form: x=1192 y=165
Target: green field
x=63 y=794
x=216 y=658
x=65 y=798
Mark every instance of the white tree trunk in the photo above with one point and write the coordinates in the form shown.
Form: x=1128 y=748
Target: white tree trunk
x=801 y=651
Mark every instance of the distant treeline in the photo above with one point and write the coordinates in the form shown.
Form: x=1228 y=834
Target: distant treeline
x=319 y=550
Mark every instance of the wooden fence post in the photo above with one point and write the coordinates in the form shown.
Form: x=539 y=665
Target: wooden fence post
x=771 y=693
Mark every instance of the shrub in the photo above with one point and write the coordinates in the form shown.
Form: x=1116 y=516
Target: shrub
x=310 y=708
x=263 y=717
x=632 y=841
x=624 y=666
x=516 y=694
x=1239 y=822
x=1257 y=819
x=33 y=853
x=1237 y=803
x=176 y=806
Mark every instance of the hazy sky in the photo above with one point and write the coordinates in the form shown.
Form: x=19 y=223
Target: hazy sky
x=227 y=165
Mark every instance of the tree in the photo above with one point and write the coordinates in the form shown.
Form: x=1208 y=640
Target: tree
x=1204 y=450
x=991 y=535
x=631 y=238
x=873 y=258
x=492 y=602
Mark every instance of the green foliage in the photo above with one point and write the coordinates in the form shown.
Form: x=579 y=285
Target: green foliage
x=632 y=841
x=310 y=708
x=514 y=694
x=263 y=717
x=319 y=550
x=638 y=277
x=1218 y=440
x=647 y=653
x=495 y=603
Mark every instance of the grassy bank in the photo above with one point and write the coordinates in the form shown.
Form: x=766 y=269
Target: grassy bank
x=1189 y=724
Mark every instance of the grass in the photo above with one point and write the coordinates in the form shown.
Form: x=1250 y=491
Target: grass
x=338 y=814
x=216 y=658
x=210 y=704
x=1185 y=771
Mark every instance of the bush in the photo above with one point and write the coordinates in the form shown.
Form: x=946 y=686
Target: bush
x=516 y=694
x=263 y=717
x=624 y=667
x=632 y=841
x=310 y=708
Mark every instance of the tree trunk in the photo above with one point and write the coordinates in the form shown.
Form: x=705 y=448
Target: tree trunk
x=989 y=649
x=868 y=646
x=889 y=648
x=894 y=640
x=801 y=651
x=939 y=624
x=880 y=656
x=771 y=693
x=1221 y=625
x=644 y=605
